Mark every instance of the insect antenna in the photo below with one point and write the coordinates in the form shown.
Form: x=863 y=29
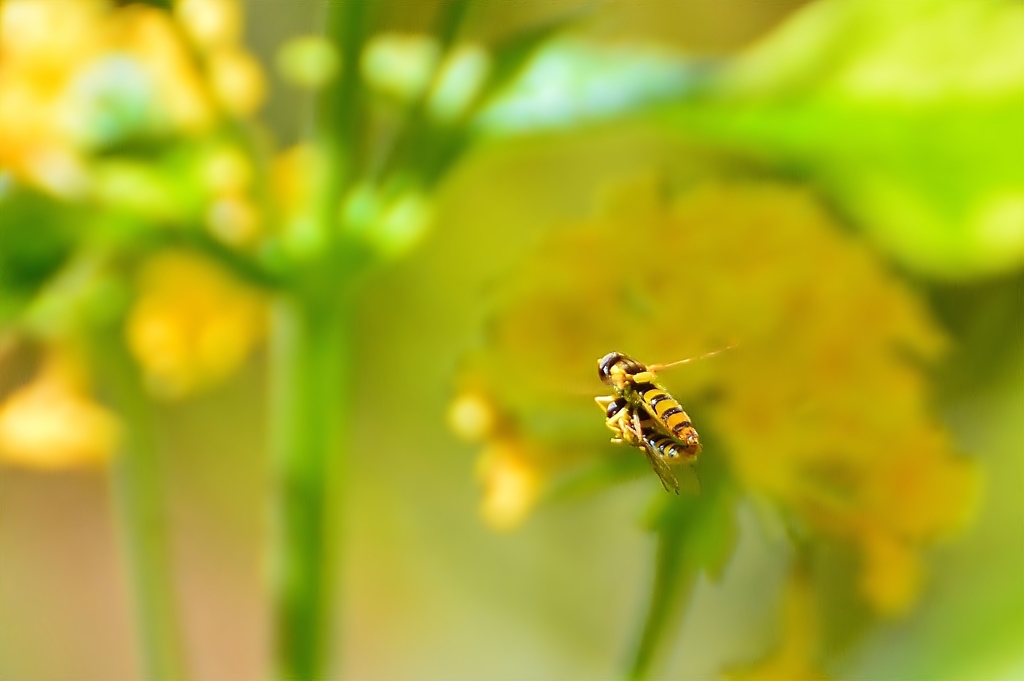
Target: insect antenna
x=655 y=368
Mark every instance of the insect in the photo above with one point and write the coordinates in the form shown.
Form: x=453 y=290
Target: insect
x=637 y=428
x=643 y=414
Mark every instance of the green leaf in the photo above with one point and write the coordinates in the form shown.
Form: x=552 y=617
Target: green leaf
x=38 y=236
x=701 y=528
x=567 y=83
x=907 y=113
x=696 y=534
x=440 y=145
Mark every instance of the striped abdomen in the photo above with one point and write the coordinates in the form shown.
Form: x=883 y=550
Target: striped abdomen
x=669 y=414
x=669 y=449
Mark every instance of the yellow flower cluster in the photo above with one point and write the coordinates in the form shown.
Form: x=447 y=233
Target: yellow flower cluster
x=51 y=423
x=235 y=79
x=77 y=75
x=82 y=84
x=822 y=409
x=507 y=467
x=192 y=323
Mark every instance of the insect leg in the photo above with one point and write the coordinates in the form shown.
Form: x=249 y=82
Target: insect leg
x=635 y=428
x=615 y=421
x=643 y=377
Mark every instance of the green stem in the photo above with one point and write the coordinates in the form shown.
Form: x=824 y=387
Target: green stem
x=139 y=493
x=696 y=534
x=671 y=585
x=339 y=118
x=309 y=398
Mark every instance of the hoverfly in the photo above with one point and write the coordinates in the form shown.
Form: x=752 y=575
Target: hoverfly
x=637 y=428
x=643 y=414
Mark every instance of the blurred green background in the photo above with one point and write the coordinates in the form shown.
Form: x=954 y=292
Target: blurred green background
x=899 y=124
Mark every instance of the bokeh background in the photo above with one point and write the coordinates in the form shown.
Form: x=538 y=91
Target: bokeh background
x=834 y=187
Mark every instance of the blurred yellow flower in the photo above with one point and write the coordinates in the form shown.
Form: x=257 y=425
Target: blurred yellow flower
x=511 y=483
x=72 y=71
x=38 y=40
x=79 y=75
x=295 y=174
x=210 y=23
x=177 y=90
x=237 y=81
x=471 y=416
x=298 y=175
x=822 y=409
x=51 y=423
x=192 y=324
x=507 y=467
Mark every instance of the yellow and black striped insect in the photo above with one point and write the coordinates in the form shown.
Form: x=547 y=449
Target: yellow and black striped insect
x=637 y=428
x=640 y=412
x=637 y=384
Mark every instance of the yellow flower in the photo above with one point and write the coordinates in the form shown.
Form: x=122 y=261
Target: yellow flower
x=210 y=23
x=192 y=324
x=39 y=41
x=821 y=409
x=180 y=100
x=297 y=177
x=237 y=81
x=79 y=75
x=511 y=483
x=507 y=467
x=74 y=74
x=51 y=423
x=472 y=417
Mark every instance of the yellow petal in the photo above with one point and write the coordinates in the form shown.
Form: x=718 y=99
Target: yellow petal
x=892 y=574
x=511 y=484
x=237 y=81
x=192 y=324
x=51 y=424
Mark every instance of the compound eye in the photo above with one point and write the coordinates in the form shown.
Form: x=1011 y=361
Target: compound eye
x=605 y=365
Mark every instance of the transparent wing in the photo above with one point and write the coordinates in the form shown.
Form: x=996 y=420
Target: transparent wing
x=662 y=469
x=689 y=480
x=633 y=425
